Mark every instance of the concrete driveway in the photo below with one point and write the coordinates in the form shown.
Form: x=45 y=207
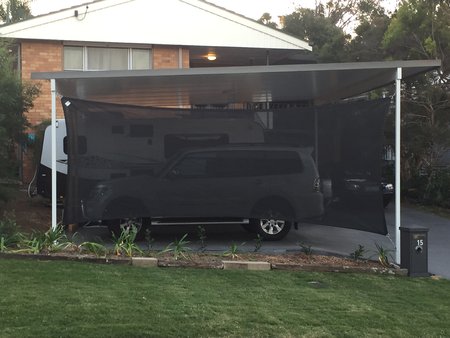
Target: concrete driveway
x=320 y=238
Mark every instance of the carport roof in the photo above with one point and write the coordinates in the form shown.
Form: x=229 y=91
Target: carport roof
x=181 y=87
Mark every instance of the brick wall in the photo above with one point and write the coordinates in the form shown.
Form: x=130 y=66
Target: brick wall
x=38 y=56
x=168 y=57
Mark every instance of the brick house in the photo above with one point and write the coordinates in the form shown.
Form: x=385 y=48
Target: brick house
x=142 y=34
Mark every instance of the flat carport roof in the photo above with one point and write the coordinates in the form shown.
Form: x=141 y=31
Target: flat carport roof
x=182 y=87
x=322 y=83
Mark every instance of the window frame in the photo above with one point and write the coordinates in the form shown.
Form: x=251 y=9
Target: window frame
x=127 y=47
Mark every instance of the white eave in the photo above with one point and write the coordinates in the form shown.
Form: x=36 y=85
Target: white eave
x=164 y=22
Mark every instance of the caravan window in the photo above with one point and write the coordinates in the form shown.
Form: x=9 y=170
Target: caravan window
x=82 y=145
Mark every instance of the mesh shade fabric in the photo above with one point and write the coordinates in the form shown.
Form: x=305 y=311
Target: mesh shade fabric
x=129 y=161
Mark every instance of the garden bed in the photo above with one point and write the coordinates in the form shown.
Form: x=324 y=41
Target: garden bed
x=32 y=216
x=293 y=262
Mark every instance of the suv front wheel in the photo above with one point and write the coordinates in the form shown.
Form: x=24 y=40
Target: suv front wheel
x=116 y=226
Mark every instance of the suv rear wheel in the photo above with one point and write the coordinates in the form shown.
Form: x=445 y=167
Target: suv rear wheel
x=273 y=222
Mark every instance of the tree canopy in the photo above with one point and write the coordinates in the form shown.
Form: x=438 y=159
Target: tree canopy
x=13 y=11
x=361 y=30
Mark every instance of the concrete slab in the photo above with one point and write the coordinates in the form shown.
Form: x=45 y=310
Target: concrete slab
x=144 y=262
x=246 y=265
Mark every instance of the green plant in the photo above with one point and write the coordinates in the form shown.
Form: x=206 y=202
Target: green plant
x=124 y=244
x=94 y=248
x=16 y=99
x=149 y=239
x=306 y=249
x=178 y=248
x=201 y=233
x=9 y=232
x=34 y=245
x=55 y=239
x=233 y=251
x=383 y=255
x=3 y=246
x=258 y=242
x=358 y=253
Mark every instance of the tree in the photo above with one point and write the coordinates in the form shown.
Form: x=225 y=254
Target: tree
x=16 y=98
x=419 y=30
x=14 y=11
x=328 y=40
x=266 y=19
x=367 y=43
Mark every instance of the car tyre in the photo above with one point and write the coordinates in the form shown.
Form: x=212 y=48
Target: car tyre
x=273 y=222
x=117 y=225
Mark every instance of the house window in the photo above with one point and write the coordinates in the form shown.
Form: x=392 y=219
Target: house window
x=106 y=58
x=73 y=58
x=140 y=59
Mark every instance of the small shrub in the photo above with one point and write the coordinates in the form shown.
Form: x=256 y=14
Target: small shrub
x=94 y=248
x=178 y=248
x=124 y=244
x=233 y=251
x=149 y=240
x=56 y=239
x=3 y=246
x=9 y=232
x=306 y=249
x=258 y=243
x=201 y=233
x=35 y=244
x=358 y=254
x=383 y=255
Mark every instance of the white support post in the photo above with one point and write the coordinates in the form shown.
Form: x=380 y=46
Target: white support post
x=398 y=83
x=316 y=137
x=53 y=129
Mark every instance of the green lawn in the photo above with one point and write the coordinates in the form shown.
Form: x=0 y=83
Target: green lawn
x=70 y=299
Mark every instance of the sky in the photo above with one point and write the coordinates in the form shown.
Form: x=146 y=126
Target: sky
x=250 y=8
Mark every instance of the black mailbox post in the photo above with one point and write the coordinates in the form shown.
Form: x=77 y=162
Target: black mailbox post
x=414 y=250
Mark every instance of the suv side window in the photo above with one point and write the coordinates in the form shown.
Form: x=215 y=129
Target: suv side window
x=245 y=163
x=238 y=163
x=194 y=165
x=281 y=163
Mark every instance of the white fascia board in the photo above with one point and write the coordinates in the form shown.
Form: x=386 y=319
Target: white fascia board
x=249 y=23
x=162 y=22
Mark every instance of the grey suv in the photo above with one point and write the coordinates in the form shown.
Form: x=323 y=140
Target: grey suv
x=266 y=188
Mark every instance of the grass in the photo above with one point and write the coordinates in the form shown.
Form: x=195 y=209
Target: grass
x=71 y=299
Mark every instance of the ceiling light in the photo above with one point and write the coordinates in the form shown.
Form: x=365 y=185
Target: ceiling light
x=211 y=56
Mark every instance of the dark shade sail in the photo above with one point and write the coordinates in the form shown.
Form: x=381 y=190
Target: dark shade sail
x=130 y=161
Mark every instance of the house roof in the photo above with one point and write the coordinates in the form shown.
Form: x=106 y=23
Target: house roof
x=322 y=83
x=164 y=22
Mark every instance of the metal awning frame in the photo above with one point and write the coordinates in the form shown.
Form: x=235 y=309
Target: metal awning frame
x=397 y=69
